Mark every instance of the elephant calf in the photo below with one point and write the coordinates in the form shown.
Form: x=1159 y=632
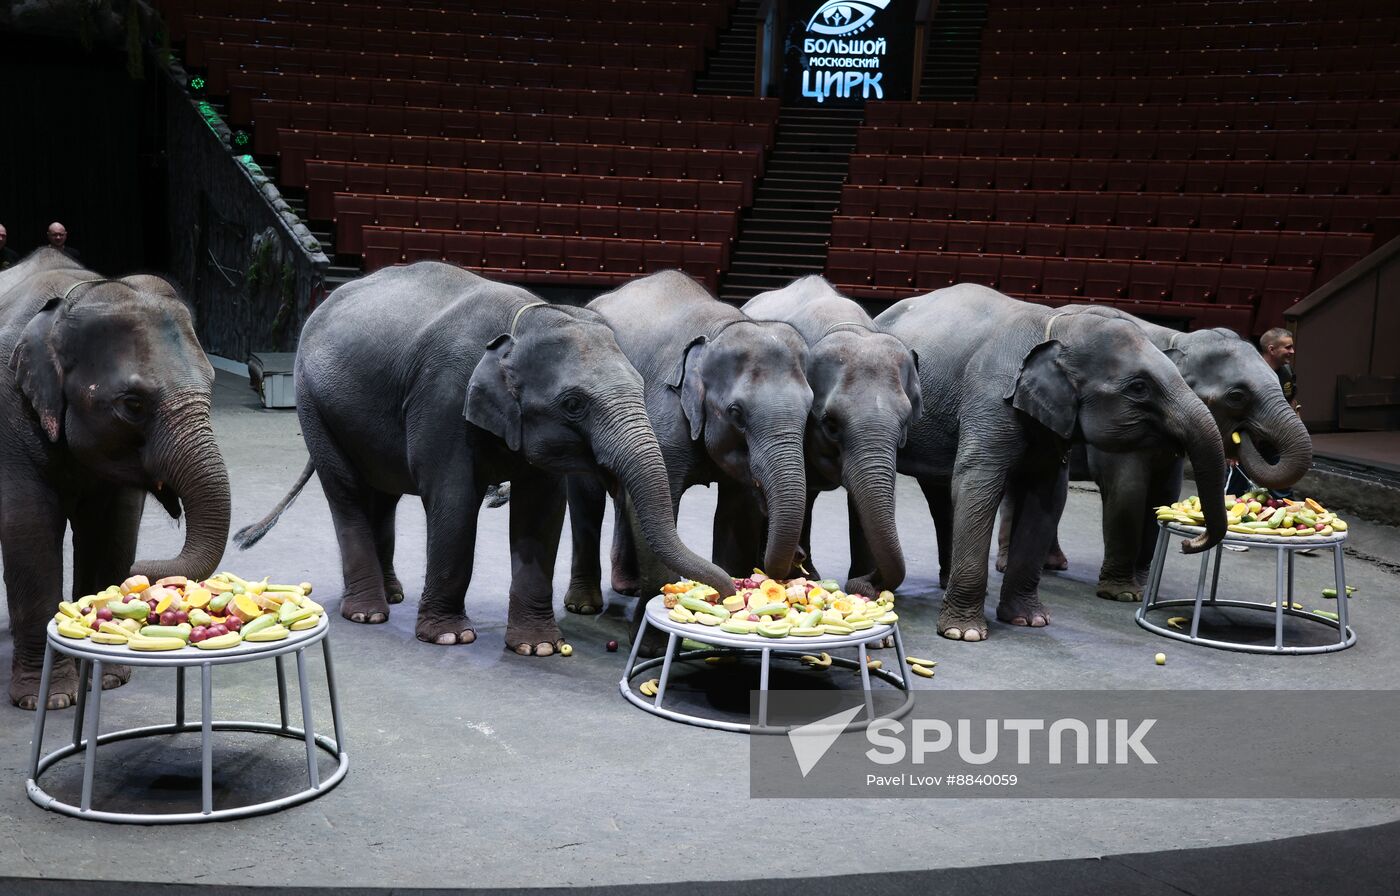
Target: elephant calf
x=865 y=396
x=387 y=370
x=107 y=399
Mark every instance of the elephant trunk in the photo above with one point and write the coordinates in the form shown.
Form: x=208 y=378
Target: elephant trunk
x=626 y=446
x=184 y=460
x=1194 y=427
x=1281 y=425
x=780 y=470
x=869 y=477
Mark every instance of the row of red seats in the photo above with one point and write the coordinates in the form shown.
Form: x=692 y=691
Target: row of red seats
x=1266 y=145
x=326 y=178
x=244 y=87
x=1268 y=289
x=1353 y=214
x=1149 y=15
x=223 y=58
x=438 y=20
x=1371 y=32
x=583 y=261
x=204 y=31
x=1192 y=88
x=297 y=147
x=1327 y=253
x=1285 y=116
x=1123 y=175
x=354 y=211
x=709 y=12
x=1157 y=63
x=268 y=116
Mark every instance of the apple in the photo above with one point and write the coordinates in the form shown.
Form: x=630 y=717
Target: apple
x=104 y=614
x=198 y=633
x=153 y=618
x=233 y=623
x=168 y=618
x=612 y=647
x=181 y=616
x=215 y=631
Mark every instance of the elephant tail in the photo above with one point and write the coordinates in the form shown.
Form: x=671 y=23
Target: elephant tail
x=250 y=535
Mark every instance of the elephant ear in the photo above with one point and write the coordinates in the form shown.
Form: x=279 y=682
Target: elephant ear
x=1044 y=391
x=914 y=389
x=38 y=371
x=493 y=398
x=686 y=380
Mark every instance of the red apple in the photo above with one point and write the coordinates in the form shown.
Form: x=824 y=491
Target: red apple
x=181 y=616
x=104 y=614
x=198 y=633
x=168 y=618
x=612 y=647
x=233 y=623
x=153 y=618
x=214 y=631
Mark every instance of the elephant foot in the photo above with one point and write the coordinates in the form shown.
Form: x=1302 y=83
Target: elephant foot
x=1125 y=592
x=369 y=610
x=962 y=623
x=63 y=685
x=498 y=495
x=393 y=589
x=626 y=583
x=653 y=643
x=445 y=628
x=942 y=581
x=1001 y=564
x=534 y=638
x=1056 y=560
x=115 y=676
x=1027 y=611
x=584 y=598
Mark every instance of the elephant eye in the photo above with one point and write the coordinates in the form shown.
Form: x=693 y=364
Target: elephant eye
x=1236 y=398
x=134 y=406
x=1136 y=389
x=573 y=406
x=736 y=413
x=831 y=426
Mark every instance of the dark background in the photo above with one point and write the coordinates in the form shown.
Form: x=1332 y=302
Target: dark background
x=80 y=143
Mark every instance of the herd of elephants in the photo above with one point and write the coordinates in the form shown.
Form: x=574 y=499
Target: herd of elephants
x=429 y=380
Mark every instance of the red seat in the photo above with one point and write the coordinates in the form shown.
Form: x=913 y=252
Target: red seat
x=663 y=256
x=1005 y=239
x=464 y=249
x=1016 y=207
x=622 y=256
x=422 y=245
x=478 y=216
x=888 y=233
x=1063 y=277
x=392 y=211
x=894 y=268
x=1107 y=280
x=929 y=236
x=1166 y=244
x=850 y=266
x=504 y=251
x=559 y=218
x=936 y=271
x=965 y=236
x=1085 y=242
x=1125 y=242
x=583 y=255
x=637 y=224
x=1150 y=281
x=848 y=231
x=437 y=214
x=1021 y=275
x=1253 y=247
x=981 y=269
x=598 y=221
x=1045 y=241
x=1196 y=283
x=544 y=253
x=518 y=217
x=352 y=213
x=1241 y=285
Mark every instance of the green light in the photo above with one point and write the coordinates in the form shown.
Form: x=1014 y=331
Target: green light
x=240 y=138
x=196 y=83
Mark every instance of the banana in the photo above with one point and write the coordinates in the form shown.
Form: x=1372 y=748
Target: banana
x=103 y=637
x=221 y=642
x=1329 y=614
x=141 y=642
x=271 y=633
x=738 y=626
x=875 y=665
x=924 y=671
x=696 y=605
x=774 y=629
x=303 y=625
x=71 y=628
x=818 y=662
x=115 y=629
x=70 y=610
x=888 y=619
x=920 y=661
x=836 y=628
x=1176 y=621
x=707 y=619
x=860 y=625
x=649 y=687
x=804 y=631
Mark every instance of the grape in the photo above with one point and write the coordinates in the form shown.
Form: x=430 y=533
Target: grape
x=168 y=618
x=153 y=618
x=104 y=614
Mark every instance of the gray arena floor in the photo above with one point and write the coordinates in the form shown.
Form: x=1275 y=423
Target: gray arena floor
x=471 y=766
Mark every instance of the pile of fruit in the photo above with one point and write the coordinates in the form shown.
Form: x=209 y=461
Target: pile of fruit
x=776 y=609
x=220 y=612
x=1255 y=513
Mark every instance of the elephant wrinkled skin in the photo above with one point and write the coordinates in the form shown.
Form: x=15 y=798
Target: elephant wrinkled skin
x=386 y=371
x=1007 y=386
x=107 y=400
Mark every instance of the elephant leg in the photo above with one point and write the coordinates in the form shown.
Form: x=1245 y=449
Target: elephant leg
x=382 y=508
x=588 y=501
x=652 y=575
x=1005 y=513
x=351 y=504
x=938 y=494
x=452 y=504
x=1039 y=500
x=536 y=521
x=626 y=571
x=105 y=529
x=976 y=494
x=1123 y=488
x=738 y=534
x=31 y=544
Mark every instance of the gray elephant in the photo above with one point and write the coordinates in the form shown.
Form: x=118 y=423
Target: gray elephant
x=386 y=370
x=1243 y=395
x=728 y=398
x=107 y=399
x=1008 y=386
x=865 y=397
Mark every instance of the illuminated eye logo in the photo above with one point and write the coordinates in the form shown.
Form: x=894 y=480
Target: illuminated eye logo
x=841 y=17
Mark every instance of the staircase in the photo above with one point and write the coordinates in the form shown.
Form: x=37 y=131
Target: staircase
x=784 y=234
x=952 y=51
x=731 y=65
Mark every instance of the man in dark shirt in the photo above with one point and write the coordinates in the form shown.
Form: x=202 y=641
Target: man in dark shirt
x=1277 y=346
x=8 y=257
x=58 y=239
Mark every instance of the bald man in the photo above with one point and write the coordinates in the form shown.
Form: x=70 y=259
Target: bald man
x=58 y=239
x=8 y=256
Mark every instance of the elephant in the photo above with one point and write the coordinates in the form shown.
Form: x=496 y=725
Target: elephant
x=729 y=399
x=866 y=396
x=1007 y=386
x=1243 y=395
x=429 y=380
x=107 y=400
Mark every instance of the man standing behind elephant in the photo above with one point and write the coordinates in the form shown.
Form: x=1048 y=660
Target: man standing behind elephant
x=8 y=257
x=1277 y=346
x=58 y=239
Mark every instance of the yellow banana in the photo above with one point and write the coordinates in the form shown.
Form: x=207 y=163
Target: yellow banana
x=141 y=642
x=919 y=661
x=924 y=671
